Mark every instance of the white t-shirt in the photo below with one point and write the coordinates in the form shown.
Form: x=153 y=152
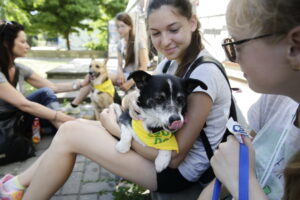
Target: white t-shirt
x=196 y=161
x=272 y=118
x=122 y=48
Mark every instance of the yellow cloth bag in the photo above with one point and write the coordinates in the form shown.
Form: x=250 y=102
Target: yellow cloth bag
x=163 y=139
x=107 y=87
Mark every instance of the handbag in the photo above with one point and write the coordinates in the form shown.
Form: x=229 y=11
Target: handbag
x=14 y=146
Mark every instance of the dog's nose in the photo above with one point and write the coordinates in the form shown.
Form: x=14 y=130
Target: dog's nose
x=173 y=118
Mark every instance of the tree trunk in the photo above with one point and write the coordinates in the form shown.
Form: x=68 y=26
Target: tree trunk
x=67 y=37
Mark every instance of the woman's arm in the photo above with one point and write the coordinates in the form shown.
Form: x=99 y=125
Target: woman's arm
x=12 y=96
x=39 y=82
x=199 y=105
x=120 y=76
x=143 y=59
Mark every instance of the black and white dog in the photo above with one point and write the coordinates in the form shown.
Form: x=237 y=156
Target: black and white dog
x=162 y=100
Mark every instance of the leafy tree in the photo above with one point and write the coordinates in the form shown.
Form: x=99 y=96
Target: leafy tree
x=9 y=10
x=108 y=8
x=60 y=17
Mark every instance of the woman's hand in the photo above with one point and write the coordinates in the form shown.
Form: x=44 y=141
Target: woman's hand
x=120 y=77
x=127 y=85
x=130 y=102
x=108 y=120
x=225 y=163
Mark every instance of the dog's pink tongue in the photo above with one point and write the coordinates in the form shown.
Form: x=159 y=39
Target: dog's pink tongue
x=176 y=125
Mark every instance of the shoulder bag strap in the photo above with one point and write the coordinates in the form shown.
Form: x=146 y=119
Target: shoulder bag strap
x=166 y=67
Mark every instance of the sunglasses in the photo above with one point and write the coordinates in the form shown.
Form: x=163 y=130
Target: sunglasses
x=3 y=24
x=230 y=49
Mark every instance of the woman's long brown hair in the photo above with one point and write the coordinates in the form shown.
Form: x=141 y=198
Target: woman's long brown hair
x=126 y=19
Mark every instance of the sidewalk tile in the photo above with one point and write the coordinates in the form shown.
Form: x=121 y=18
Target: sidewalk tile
x=72 y=186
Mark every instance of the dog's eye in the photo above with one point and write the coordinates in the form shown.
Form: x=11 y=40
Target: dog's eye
x=159 y=99
x=150 y=102
x=180 y=100
x=97 y=66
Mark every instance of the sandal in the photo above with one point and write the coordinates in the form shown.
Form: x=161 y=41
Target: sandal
x=4 y=195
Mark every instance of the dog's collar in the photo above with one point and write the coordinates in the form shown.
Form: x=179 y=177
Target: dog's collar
x=106 y=86
x=159 y=140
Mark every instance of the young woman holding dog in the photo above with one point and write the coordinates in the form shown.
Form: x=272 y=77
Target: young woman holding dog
x=174 y=32
x=270 y=60
x=41 y=103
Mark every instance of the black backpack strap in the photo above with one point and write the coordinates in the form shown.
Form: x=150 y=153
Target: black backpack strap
x=166 y=67
x=207 y=59
x=208 y=175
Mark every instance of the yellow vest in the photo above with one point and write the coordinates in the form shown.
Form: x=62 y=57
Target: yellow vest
x=107 y=87
x=163 y=139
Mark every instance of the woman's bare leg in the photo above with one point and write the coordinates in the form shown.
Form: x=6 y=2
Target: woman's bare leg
x=95 y=143
x=26 y=176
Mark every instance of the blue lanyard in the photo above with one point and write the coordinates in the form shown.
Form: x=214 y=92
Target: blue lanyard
x=243 y=176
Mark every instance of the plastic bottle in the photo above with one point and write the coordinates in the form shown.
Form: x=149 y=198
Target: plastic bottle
x=36 y=136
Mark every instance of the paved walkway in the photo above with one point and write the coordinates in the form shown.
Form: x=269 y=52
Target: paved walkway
x=88 y=180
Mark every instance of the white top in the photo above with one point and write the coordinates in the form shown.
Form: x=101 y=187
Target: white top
x=272 y=118
x=196 y=161
x=122 y=48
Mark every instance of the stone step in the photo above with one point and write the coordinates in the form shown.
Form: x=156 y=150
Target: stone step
x=77 y=68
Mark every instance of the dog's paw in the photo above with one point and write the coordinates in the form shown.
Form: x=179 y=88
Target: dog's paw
x=122 y=147
x=162 y=160
x=160 y=165
x=117 y=108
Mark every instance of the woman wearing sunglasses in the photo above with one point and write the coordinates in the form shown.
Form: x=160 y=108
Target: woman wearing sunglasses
x=266 y=44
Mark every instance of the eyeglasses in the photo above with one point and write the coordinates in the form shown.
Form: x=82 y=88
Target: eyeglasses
x=230 y=49
x=3 y=24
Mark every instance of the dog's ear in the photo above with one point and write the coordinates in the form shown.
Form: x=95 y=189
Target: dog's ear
x=191 y=84
x=140 y=78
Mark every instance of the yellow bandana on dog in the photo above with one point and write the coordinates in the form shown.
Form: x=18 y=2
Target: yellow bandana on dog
x=107 y=87
x=163 y=139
